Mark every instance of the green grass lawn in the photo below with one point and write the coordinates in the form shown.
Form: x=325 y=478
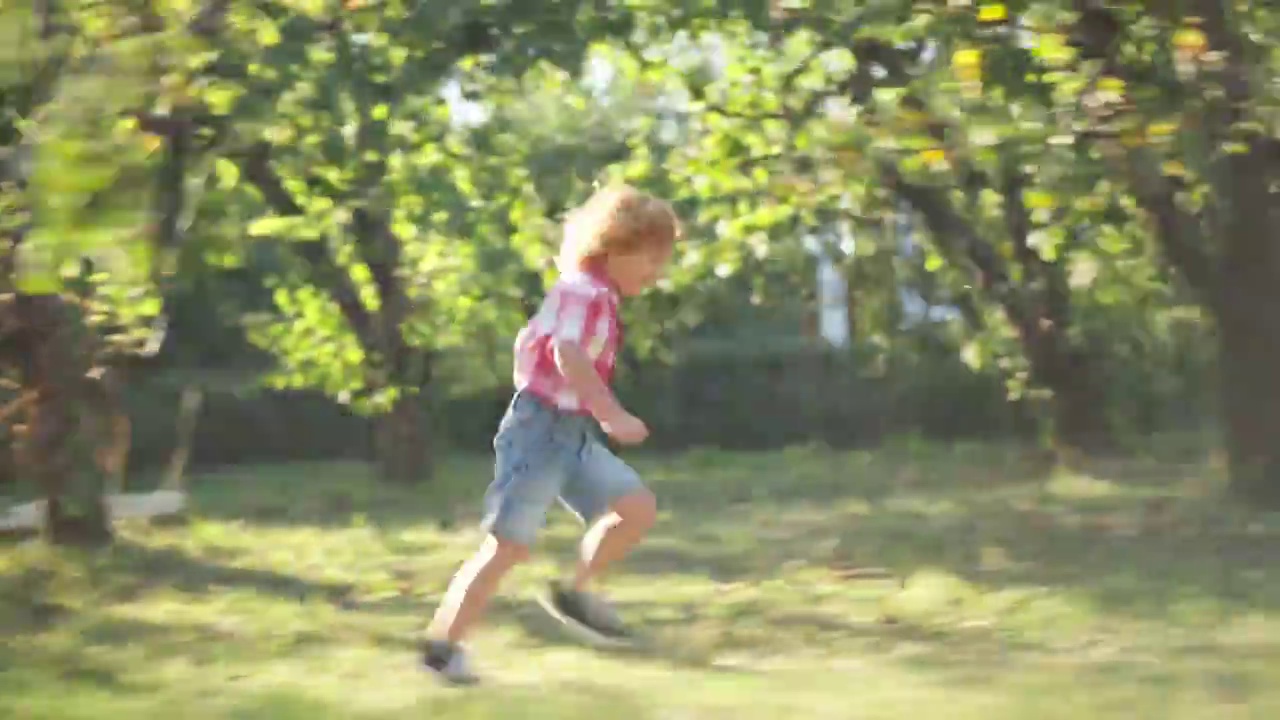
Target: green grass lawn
x=296 y=592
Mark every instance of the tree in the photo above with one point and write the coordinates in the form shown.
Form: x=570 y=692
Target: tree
x=77 y=271
x=343 y=132
x=818 y=116
x=1179 y=99
x=1033 y=140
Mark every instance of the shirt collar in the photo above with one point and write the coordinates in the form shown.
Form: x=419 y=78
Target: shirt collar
x=596 y=274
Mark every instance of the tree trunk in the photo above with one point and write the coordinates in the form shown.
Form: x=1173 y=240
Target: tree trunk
x=76 y=513
x=402 y=442
x=1248 y=313
x=1249 y=352
x=1079 y=408
x=1038 y=305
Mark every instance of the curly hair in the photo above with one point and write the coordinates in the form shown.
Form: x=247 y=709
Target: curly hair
x=616 y=219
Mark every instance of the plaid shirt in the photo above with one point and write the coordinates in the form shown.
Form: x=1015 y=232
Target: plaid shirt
x=579 y=308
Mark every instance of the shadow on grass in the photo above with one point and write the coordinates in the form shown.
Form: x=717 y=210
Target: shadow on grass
x=340 y=494
x=152 y=566
x=68 y=695
x=72 y=662
x=40 y=594
x=651 y=645
x=1126 y=535
x=33 y=666
x=576 y=701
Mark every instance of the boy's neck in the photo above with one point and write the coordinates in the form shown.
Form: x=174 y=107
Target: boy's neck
x=597 y=272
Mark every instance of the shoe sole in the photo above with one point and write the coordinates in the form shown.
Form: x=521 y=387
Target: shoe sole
x=450 y=680
x=445 y=678
x=581 y=632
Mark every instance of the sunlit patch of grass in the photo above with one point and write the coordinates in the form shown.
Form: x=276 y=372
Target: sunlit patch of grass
x=1073 y=486
x=999 y=591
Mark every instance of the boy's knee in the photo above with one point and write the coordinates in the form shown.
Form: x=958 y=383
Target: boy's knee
x=639 y=510
x=505 y=553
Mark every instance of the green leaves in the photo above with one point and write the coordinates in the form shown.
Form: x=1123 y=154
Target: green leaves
x=87 y=171
x=316 y=349
x=228 y=175
x=412 y=119
x=421 y=158
x=287 y=228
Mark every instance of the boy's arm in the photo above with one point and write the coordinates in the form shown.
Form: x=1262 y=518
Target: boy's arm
x=580 y=373
x=577 y=322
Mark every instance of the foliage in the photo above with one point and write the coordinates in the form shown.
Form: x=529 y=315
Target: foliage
x=832 y=120
x=70 y=83
x=394 y=176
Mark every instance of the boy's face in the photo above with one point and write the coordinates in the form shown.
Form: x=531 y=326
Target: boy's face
x=635 y=272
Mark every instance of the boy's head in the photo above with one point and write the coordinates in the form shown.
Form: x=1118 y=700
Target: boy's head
x=622 y=233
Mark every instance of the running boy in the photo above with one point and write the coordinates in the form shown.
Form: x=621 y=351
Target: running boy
x=615 y=245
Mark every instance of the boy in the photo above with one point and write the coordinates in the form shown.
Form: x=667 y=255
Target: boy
x=615 y=245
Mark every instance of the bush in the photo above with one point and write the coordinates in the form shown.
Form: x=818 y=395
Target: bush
x=724 y=397
x=245 y=424
x=782 y=395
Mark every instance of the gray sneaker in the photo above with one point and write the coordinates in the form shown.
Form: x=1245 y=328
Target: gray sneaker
x=588 y=616
x=448 y=662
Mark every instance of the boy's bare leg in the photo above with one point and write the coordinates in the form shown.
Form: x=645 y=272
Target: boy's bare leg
x=609 y=539
x=613 y=535
x=472 y=587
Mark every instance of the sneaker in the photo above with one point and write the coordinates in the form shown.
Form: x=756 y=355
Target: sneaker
x=448 y=662
x=589 y=616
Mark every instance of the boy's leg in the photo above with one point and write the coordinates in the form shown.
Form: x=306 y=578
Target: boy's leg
x=610 y=497
x=472 y=587
x=463 y=605
x=529 y=473
x=613 y=534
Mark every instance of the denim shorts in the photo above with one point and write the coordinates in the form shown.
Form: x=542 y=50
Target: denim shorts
x=543 y=454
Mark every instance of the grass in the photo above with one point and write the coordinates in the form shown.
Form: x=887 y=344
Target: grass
x=1125 y=591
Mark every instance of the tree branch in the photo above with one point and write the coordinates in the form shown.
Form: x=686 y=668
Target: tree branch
x=211 y=18
x=957 y=238
x=255 y=165
x=1180 y=234
x=380 y=249
x=1054 y=291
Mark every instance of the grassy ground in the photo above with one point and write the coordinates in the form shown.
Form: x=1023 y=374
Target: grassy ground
x=295 y=592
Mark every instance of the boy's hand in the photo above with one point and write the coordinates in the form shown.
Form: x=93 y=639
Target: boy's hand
x=625 y=428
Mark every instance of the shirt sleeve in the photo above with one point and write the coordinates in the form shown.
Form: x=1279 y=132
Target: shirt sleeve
x=581 y=317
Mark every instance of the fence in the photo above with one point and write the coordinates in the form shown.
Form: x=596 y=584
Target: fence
x=761 y=401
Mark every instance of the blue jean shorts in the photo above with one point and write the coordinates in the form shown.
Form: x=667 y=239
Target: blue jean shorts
x=543 y=454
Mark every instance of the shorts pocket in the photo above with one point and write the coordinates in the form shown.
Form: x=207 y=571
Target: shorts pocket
x=525 y=420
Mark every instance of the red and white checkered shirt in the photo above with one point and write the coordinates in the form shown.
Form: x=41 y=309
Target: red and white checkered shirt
x=579 y=308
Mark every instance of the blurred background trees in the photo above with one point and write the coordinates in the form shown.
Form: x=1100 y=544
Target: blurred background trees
x=1047 y=221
